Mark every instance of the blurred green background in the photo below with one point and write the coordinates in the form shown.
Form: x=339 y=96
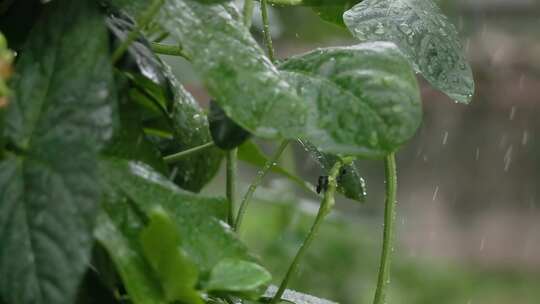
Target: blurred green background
x=469 y=220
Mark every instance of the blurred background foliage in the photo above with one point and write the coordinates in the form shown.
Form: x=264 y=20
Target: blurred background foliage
x=469 y=217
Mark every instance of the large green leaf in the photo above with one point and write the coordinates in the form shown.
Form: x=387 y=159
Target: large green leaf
x=364 y=100
x=234 y=68
x=424 y=34
x=60 y=116
x=205 y=238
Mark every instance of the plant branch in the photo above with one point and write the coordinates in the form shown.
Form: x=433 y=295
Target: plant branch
x=144 y=20
x=248 y=12
x=388 y=233
x=326 y=206
x=256 y=182
x=167 y=49
x=231 y=183
x=170 y=159
x=266 y=30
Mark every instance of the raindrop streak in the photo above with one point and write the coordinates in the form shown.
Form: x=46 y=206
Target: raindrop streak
x=482 y=243
x=508 y=158
x=435 y=193
x=477 y=156
x=445 y=138
x=512 y=113
x=525 y=138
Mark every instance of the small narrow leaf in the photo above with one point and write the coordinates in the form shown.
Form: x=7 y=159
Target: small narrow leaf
x=364 y=100
x=237 y=276
x=177 y=274
x=225 y=132
x=424 y=34
x=63 y=101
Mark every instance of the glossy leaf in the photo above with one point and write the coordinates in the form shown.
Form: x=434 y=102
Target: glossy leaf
x=234 y=68
x=364 y=100
x=49 y=200
x=250 y=153
x=332 y=11
x=177 y=274
x=295 y=297
x=206 y=239
x=350 y=183
x=424 y=34
x=226 y=134
x=237 y=276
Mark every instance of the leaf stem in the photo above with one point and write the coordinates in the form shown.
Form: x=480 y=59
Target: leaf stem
x=248 y=12
x=170 y=159
x=231 y=183
x=256 y=182
x=326 y=206
x=144 y=20
x=167 y=49
x=388 y=233
x=266 y=30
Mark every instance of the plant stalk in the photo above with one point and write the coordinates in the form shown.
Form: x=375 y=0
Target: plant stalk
x=326 y=206
x=167 y=49
x=388 y=233
x=143 y=21
x=248 y=12
x=266 y=30
x=173 y=158
x=256 y=182
x=231 y=183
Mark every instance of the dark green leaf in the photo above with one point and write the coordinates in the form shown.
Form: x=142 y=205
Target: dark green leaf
x=177 y=274
x=225 y=132
x=364 y=100
x=17 y=19
x=205 y=239
x=350 y=183
x=332 y=11
x=250 y=153
x=63 y=97
x=424 y=34
x=237 y=276
x=234 y=68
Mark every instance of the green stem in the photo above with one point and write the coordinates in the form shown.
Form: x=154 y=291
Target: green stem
x=143 y=21
x=266 y=30
x=248 y=12
x=167 y=49
x=388 y=233
x=256 y=182
x=231 y=183
x=170 y=159
x=326 y=206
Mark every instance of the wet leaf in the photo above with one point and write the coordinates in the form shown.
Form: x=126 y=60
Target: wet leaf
x=49 y=200
x=332 y=11
x=205 y=238
x=234 y=68
x=226 y=134
x=424 y=34
x=364 y=100
x=350 y=183
x=237 y=276
x=177 y=274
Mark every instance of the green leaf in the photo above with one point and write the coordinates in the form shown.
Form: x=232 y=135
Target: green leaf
x=234 y=68
x=364 y=100
x=424 y=34
x=350 y=183
x=49 y=199
x=295 y=297
x=177 y=273
x=237 y=276
x=206 y=239
x=332 y=11
x=129 y=260
x=250 y=153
